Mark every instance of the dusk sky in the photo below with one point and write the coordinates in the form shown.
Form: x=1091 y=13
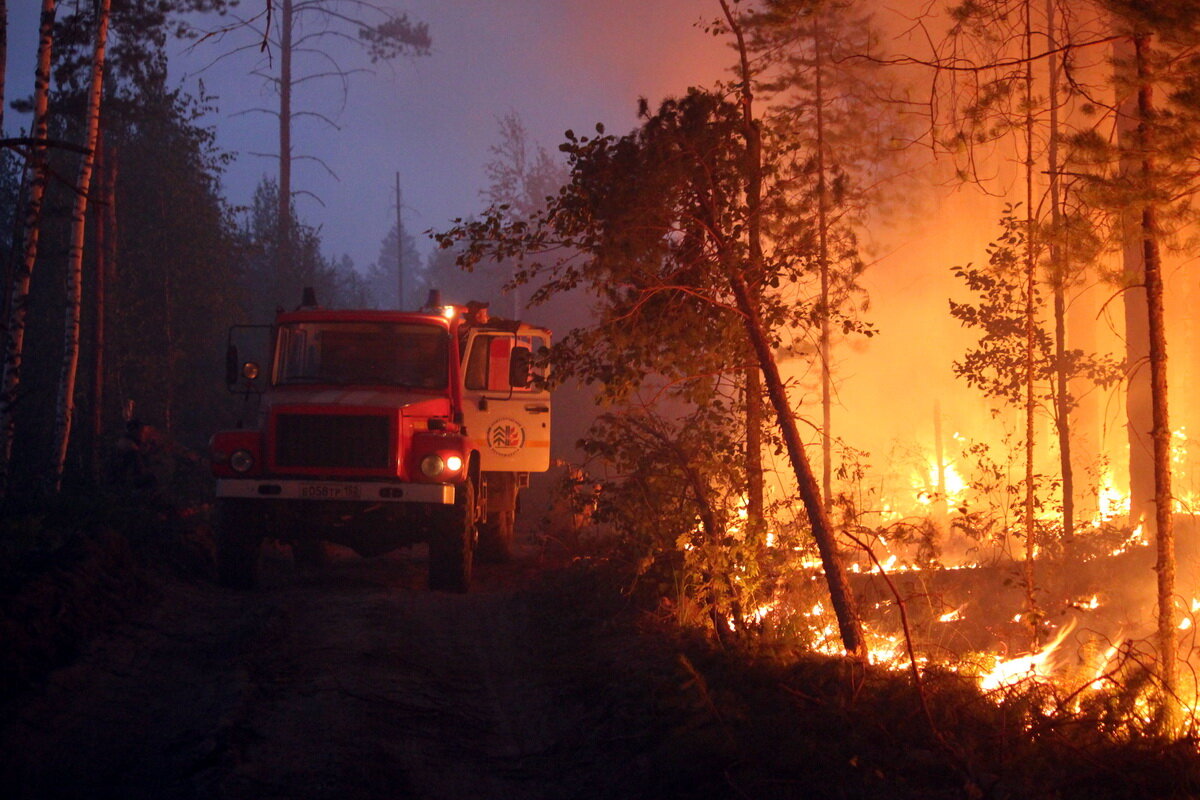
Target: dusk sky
x=557 y=64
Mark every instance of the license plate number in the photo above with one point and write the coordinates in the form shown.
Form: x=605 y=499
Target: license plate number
x=318 y=491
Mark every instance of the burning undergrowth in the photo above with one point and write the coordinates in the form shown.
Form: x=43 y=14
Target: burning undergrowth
x=769 y=715
x=941 y=584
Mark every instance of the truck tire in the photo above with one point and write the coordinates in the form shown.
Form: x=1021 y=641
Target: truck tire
x=496 y=537
x=497 y=531
x=239 y=540
x=452 y=543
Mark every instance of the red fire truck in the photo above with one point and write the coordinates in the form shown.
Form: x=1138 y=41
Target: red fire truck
x=380 y=429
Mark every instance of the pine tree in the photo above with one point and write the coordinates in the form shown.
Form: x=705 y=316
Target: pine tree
x=1153 y=176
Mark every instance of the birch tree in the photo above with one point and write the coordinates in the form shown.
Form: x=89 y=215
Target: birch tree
x=70 y=363
x=23 y=275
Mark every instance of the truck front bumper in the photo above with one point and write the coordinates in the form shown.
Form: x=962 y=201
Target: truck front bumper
x=342 y=491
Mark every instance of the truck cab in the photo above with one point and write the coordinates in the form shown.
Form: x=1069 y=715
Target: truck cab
x=380 y=429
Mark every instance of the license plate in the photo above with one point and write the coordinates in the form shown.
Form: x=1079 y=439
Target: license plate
x=324 y=491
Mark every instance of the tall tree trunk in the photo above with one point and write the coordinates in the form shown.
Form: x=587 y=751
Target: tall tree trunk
x=3 y=57
x=105 y=169
x=823 y=259
x=169 y=354
x=841 y=598
x=23 y=275
x=1030 y=522
x=283 y=251
x=1138 y=395
x=400 y=247
x=70 y=365
x=1060 y=273
x=755 y=502
x=1161 y=432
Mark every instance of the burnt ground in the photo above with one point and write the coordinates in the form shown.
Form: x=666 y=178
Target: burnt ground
x=355 y=682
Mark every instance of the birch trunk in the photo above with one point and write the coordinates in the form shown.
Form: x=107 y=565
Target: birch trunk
x=23 y=274
x=70 y=365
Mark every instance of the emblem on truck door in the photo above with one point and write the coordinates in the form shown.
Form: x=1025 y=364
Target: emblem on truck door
x=505 y=437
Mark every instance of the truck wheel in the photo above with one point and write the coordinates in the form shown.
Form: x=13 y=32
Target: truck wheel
x=496 y=537
x=452 y=543
x=496 y=532
x=239 y=539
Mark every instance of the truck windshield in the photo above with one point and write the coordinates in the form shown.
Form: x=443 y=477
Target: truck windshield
x=362 y=353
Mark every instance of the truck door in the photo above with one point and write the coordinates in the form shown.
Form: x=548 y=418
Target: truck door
x=506 y=410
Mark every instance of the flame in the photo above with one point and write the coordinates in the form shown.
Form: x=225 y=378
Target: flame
x=952 y=490
x=1111 y=502
x=1027 y=667
x=1136 y=538
x=1098 y=678
x=952 y=616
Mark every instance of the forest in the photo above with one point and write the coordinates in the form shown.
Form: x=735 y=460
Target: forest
x=879 y=349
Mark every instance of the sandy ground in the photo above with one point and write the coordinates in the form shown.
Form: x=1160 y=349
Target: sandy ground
x=355 y=682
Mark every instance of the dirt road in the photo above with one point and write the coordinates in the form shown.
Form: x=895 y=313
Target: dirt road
x=352 y=683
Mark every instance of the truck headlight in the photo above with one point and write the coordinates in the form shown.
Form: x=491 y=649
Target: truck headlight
x=432 y=466
x=241 y=461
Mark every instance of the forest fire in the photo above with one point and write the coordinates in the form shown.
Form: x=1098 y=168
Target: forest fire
x=862 y=317
x=963 y=609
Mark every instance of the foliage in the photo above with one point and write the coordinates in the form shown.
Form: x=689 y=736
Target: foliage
x=137 y=57
x=651 y=225
x=673 y=490
x=1172 y=132
x=996 y=366
x=629 y=229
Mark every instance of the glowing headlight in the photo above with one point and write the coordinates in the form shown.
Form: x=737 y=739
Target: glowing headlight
x=453 y=463
x=432 y=466
x=241 y=461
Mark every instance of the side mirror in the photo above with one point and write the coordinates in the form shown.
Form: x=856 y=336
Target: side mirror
x=519 y=363
x=232 y=365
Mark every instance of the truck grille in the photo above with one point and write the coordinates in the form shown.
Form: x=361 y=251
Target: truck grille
x=350 y=441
